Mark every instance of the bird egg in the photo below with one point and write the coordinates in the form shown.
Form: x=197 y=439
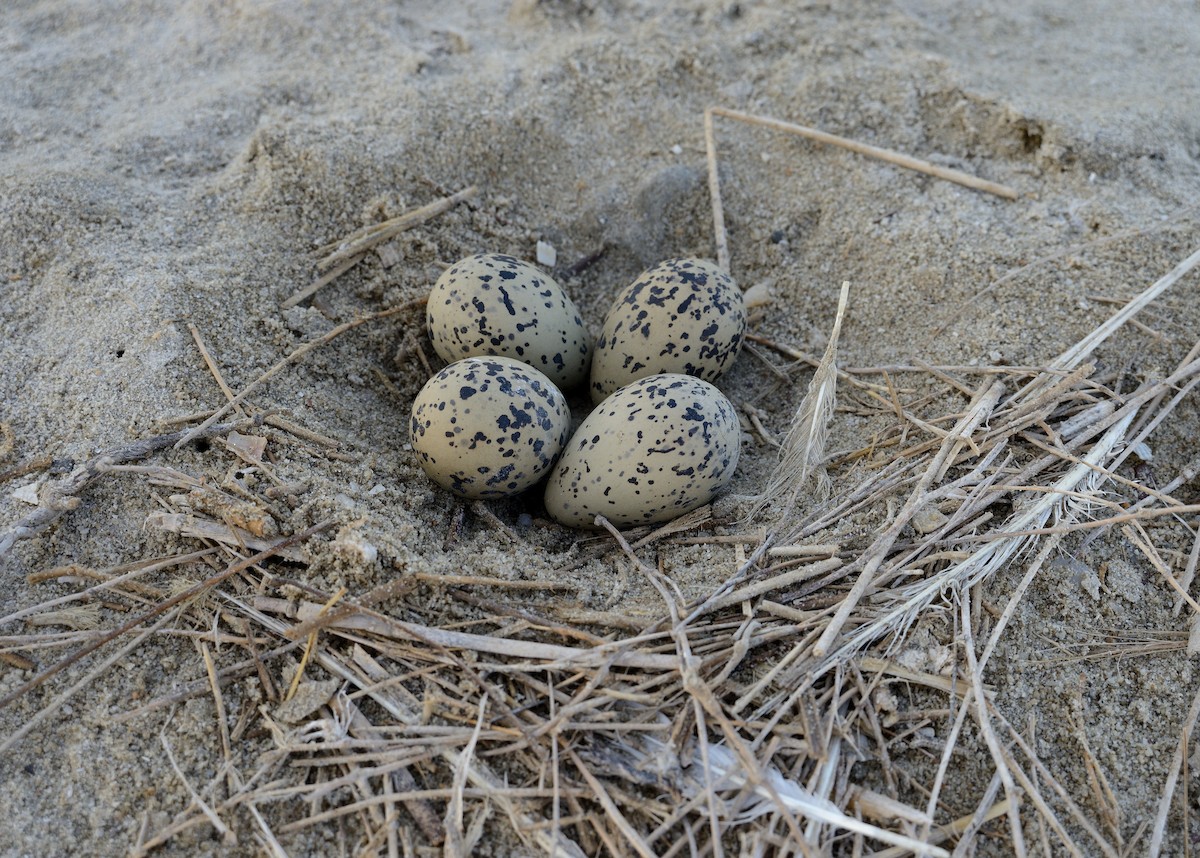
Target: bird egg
x=652 y=451
x=492 y=304
x=682 y=315
x=488 y=427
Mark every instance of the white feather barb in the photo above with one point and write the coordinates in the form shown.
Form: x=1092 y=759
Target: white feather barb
x=725 y=769
x=803 y=450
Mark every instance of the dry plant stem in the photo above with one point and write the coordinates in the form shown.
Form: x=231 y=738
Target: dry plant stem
x=230 y=839
x=310 y=645
x=554 y=842
x=1014 y=599
x=391 y=820
x=821 y=784
x=1073 y=356
x=36 y=464
x=826 y=550
x=453 y=823
x=321 y=282
x=201 y=528
x=274 y=848
x=493 y=793
x=212 y=366
x=1102 y=795
x=57 y=499
x=287 y=361
x=438 y=580
x=947 y=684
x=222 y=725
x=141 y=568
x=777 y=582
x=299 y=431
x=57 y=704
x=986 y=559
x=985 y=812
x=714 y=192
x=687 y=521
x=956 y=176
x=1096 y=524
x=951 y=742
x=185 y=595
x=364 y=239
x=1141 y=540
x=983 y=406
x=989 y=734
x=358 y=617
x=1047 y=813
x=1168 y=793
x=964 y=826
x=1189 y=571
x=878 y=806
x=555 y=766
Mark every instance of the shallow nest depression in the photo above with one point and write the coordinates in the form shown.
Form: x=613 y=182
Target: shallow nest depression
x=776 y=712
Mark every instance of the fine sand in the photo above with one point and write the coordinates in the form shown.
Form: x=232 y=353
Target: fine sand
x=169 y=175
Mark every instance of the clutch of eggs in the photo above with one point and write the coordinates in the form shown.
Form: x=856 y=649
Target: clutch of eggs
x=663 y=440
x=652 y=451
x=488 y=427
x=682 y=315
x=492 y=304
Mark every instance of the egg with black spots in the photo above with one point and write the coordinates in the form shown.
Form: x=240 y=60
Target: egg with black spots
x=683 y=315
x=652 y=451
x=492 y=304
x=488 y=427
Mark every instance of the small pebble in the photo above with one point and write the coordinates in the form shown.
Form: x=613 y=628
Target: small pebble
x=27 y=493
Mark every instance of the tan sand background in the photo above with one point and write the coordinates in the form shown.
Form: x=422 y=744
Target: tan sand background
x=171 y=163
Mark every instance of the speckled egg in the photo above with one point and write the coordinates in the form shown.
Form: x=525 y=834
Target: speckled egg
x=489 y=427
x=652 y=451
x=491 y=304
x=682 y=315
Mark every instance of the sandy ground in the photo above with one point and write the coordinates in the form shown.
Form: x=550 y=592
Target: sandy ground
x=166 y=165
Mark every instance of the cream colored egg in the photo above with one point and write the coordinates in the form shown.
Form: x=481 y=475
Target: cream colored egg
x=488 y=427
x=682 y=315
x=652 y=451
x=492 y=304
